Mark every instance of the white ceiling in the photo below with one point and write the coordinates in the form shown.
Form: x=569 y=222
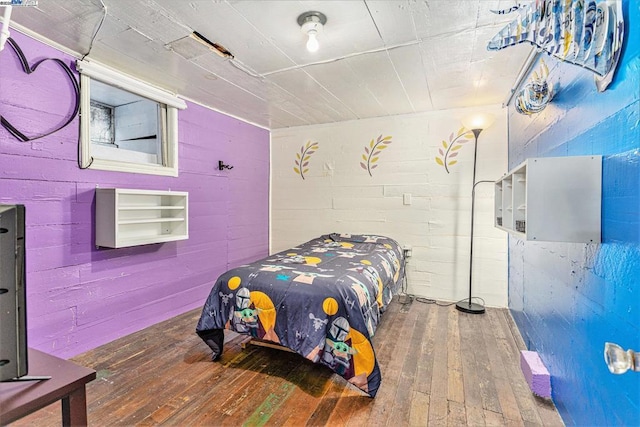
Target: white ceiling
x=376 y=57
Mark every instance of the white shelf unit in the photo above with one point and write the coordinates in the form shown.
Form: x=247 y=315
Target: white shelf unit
x=554 y=199
x=126 y=217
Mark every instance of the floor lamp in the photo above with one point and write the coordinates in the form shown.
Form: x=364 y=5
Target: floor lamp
x=477 y=123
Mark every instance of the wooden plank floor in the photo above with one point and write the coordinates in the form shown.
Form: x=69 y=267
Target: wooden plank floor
x=440 y=367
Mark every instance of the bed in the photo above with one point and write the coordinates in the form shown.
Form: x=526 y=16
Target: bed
x=322 y=299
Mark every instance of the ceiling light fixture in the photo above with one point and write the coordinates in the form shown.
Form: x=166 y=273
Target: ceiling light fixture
x=311 y=23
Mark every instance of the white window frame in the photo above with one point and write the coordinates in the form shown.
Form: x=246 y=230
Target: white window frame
x=90 y=70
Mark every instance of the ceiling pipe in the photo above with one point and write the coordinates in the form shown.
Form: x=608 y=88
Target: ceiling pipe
x=524 y=72
x=6 y=18
x=4 y=33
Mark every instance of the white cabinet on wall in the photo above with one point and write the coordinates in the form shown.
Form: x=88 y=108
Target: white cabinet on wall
x=555 y=199
x=126 y=217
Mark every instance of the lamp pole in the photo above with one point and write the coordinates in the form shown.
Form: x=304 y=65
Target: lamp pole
x=466 y=305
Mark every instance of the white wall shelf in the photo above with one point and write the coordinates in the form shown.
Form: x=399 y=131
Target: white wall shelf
x=556 y=199
x=126 y=217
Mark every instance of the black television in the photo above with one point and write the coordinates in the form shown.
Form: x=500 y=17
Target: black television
x=13 y=309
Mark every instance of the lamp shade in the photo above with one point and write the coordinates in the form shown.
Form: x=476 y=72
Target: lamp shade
x=478 y=120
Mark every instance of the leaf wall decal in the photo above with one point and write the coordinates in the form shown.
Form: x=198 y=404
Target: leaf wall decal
x=306 y=150
x=372 y=152
x=455 y=143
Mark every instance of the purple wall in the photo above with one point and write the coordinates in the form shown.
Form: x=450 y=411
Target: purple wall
x=80 y=297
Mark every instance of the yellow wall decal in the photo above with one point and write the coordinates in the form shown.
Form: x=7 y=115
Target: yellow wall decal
x=372 y=153
x=452 y=147
x=302 y=158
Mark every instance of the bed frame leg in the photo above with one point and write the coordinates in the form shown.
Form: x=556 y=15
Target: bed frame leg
x=259 y=343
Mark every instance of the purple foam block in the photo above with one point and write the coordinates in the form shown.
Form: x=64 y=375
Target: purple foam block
x=536 y=373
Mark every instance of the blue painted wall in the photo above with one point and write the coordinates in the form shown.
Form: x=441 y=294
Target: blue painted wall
x=569 y=299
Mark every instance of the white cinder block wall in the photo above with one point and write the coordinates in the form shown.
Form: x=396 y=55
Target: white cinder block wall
x=338 y=195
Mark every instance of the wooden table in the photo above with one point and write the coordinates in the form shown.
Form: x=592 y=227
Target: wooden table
x=67 y=383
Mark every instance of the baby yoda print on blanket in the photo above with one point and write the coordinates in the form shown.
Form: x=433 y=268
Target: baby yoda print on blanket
x=322 y=299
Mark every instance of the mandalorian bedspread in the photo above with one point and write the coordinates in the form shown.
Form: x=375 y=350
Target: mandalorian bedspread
x=322 y=299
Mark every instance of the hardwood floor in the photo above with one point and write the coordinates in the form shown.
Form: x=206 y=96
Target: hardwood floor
x=440 y=367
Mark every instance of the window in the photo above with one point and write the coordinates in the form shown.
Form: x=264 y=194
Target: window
x=126 y=125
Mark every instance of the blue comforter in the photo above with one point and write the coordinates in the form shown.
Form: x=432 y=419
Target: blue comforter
x=322 y=299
